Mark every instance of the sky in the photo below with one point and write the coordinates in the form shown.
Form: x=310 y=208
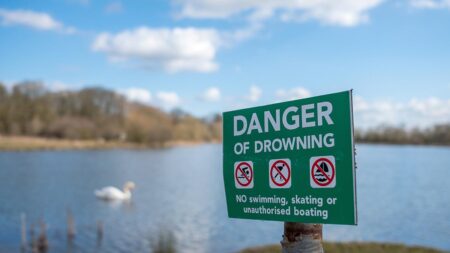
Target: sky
x=210 y=56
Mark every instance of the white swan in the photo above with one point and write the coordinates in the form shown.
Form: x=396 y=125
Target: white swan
x=112 y=193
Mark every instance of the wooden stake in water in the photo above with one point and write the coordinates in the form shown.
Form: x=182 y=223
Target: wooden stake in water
x=23 y=230
x=302 y=238
x=70 y=226
x=99 y=232
x=33 y=239
x=42 y=243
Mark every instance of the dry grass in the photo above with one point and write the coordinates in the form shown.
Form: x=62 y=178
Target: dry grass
x=20 y=143
x=358 y=247
x=23 y=143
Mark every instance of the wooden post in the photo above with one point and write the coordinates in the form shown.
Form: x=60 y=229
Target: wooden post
x=33 y=239
x=23 y=229
x=42 y=243
x=70 y=226
x=302 y=238
x=99 y=232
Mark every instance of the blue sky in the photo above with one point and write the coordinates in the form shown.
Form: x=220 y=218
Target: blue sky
x=208 y=56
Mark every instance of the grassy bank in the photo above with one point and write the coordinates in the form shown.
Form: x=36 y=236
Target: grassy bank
x=358 y=247
x=20 y=143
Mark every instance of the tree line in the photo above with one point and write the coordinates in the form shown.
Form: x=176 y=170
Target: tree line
x=435 y=135
x=30 y=109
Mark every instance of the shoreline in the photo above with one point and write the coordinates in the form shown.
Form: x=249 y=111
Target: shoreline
x=28 y=143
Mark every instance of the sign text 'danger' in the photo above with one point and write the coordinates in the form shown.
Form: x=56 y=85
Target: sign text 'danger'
x=293 y=117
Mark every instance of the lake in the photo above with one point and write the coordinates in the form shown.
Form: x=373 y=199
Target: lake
x=403 y=196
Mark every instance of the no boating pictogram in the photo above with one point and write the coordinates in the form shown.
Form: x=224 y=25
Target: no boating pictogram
x=243 y=174
x=323 y=172
x=280 y=173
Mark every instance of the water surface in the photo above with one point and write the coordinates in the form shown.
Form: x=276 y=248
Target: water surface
x=403 y=196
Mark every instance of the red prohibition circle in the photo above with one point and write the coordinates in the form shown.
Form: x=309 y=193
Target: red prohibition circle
x=238 y=168
x=316 y=163
x=279 y=172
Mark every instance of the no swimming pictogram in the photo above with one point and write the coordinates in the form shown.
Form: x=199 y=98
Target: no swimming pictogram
x=280 y=173
x=243 y=174
x=323 y=172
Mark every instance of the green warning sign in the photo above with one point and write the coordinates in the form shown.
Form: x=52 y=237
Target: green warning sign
x=291 y=161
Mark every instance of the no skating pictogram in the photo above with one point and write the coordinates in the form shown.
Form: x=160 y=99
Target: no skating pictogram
x=243 y=175
x=280 y=173
x=323 y=172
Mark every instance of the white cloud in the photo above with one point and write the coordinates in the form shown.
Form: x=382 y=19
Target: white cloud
x=212 y=94
x=254 y=94
x=167 y=100
x=173 y=50
x=114 y=7
x=430 y=4
x=294 y=93
x=137 y=95
x=332 y=12
x=413 y=113
x=36 y=20
x=241 y=34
